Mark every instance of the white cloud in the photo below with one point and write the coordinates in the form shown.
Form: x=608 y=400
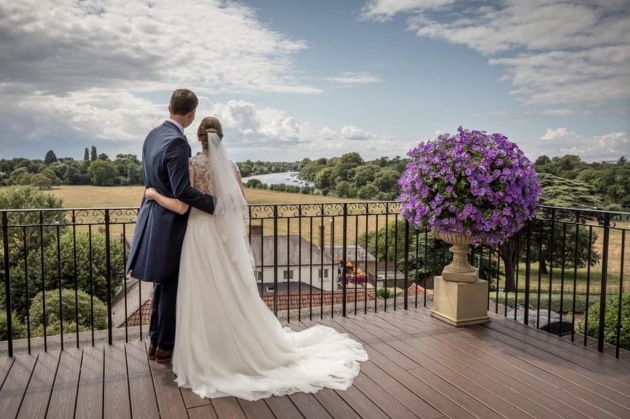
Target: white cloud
x=560 y=44
x=384 y=10
x=58 y=46
x=561 y=134
x=274 y=135
x=354 y=79
x=562 y=141
x=93 y=71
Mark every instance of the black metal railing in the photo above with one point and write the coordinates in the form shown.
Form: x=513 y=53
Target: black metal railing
x=65 y=285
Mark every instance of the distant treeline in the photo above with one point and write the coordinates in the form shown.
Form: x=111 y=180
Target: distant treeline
x=346 y=176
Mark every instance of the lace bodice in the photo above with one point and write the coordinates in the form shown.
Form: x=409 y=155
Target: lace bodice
x=203 y=177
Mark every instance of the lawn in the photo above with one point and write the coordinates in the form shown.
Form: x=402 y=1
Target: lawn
x=309 y=225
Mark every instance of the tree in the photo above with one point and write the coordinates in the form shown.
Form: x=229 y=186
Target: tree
x=104 y=157
x=546 y=242
x=80 y=306
x=102 y=173
x=343 y=189
x=52 y=176
x=541 y=161
x=50 y=157
x=89 y=274
x=386 y=180
x=30 y=238
x=41 y=181
x=364 y=175
x=86 y=155
x=324 y=178
x=369 y=191
x=93 y=154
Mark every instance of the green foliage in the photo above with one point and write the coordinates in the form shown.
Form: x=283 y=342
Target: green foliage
x=69 y=303
x=18 y=328
x=59 y=268
x=610 y=322
x=389 y=292
x=102 y=173
x=50 y=157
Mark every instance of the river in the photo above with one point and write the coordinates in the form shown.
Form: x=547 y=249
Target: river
x=288 y=178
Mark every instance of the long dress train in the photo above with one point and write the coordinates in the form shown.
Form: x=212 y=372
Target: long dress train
x=228 y=342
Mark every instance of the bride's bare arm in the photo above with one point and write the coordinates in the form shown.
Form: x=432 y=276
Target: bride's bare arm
x=170 y=204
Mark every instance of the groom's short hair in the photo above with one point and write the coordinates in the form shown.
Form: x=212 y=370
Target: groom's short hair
x=183 y=101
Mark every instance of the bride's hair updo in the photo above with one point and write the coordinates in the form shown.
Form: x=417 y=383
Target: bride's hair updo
x=208 y=124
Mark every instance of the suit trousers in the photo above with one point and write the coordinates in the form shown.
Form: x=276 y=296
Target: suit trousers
x=163 y=313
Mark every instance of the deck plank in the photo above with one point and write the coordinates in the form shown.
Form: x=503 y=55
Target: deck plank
x=501 y=399
x=256 y=410
x=141 y=391
x=415 y=394
x=335 y=405
x=116 y=404
x=308 y=405
x=419 y=367
x=170 y=402
x=202 y=412
x=15 y=384
x=562 y=348
x=40 y=386
x=5 y=366
x=228 y=408
x=282 y=408
x=90 y=396
x=64 y=393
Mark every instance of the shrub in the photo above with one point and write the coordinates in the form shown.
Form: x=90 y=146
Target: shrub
x=69 y=309
x=388 y=292
x=610 y=321
x=19 y=329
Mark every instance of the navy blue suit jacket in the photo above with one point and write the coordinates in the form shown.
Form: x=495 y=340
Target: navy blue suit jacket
x=157 y=241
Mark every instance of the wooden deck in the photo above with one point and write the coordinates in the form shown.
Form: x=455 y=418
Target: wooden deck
x=419 y=368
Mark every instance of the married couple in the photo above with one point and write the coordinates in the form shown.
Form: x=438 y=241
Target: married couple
x=207 y=317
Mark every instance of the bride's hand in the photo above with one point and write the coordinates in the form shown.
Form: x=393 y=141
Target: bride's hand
x=150 y=194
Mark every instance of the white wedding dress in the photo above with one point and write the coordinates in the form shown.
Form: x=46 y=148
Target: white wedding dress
x=228 y=342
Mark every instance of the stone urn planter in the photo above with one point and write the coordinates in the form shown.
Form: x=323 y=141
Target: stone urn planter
x=460 y=298
x=479 y=185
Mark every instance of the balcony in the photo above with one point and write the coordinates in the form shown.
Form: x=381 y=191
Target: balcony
x=419 y=367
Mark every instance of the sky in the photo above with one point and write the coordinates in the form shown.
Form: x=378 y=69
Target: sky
x=295 y=79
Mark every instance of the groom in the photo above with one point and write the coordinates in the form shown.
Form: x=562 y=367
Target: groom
x=159 y=234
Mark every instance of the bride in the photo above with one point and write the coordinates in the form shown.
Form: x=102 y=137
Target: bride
x=228 y=342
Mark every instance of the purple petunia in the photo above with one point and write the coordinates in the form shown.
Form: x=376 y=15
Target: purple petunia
x=473 y=183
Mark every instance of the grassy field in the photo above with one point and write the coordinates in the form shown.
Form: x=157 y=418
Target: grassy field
x=130 y=196
x=308 y=225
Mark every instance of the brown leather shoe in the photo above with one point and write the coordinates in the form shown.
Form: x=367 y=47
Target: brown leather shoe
x=151 y=352
x=163 y=356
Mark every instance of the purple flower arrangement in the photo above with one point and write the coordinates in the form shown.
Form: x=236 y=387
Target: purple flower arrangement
x=472 y=183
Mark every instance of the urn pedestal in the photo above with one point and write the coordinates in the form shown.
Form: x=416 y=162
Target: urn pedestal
x=460 y=298
x=460 y=303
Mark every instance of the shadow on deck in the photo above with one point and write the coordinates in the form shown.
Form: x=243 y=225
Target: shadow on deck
x=419 y=368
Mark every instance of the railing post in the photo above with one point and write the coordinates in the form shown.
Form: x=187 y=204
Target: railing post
x=528 y=270
x=108 y=273
x=344 y=285
x=603 y=284
x=275 y=260
x=406 y=290
x=7 y=280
